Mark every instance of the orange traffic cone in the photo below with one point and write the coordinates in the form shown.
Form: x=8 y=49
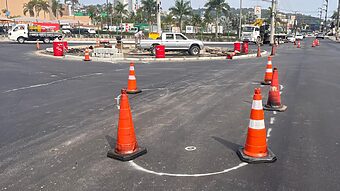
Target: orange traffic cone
x=258 y=51
x=38 y=45
x=255 y=149
x=87 y=55
x=313 y=43
x=269 y=72
x=274 y=97
x=126 y=147
x=299 y=44
x=318 y=42
x=132 y=81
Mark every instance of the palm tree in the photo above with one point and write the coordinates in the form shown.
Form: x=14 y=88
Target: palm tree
x=121 y=11
x=219 y=7
x=167 y=21
x=207 y=20
x=149 y=10
x=29 y=8
x=43 y=6
x=182 y=8
x=93 y=12
x=196 y=21
x=57 y=8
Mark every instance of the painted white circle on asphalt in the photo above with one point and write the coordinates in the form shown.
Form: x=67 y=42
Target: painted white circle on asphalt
x=190 y=148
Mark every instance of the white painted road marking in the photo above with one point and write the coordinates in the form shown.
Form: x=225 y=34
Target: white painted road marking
x=190 y=148
x=274 y=112
x=137 y=167
x=269 y=131
x=50 y=83
x=272 y=119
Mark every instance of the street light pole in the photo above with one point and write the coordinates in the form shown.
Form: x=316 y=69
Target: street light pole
x=159 y=29
x=272 y=24
x=337 y=22
x=326 y=15
x=240 y=24
x=321 y=25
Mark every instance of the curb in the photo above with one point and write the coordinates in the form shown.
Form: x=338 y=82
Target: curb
x=79 y=58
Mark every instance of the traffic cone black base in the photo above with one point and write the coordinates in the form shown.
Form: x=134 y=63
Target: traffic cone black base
x=248 y=159
x=86 y=60
x=265 y=83
x=133 y=91
x=139 y=152
x=280 y=108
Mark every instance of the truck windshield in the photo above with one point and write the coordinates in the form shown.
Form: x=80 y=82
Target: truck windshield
x=248 y=29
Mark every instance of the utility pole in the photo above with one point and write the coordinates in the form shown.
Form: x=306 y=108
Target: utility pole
x=240 y=24
x=337 y=22
x=295 y=23
x=272 y=24
x=326 y=15
x=321 y=25
x=158 y=7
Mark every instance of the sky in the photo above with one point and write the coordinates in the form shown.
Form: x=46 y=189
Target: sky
x=309 y=7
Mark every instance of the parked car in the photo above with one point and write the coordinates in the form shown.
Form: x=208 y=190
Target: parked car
x=290 y=38
x=320 y=35
x=299 y=37
x=83 y=31
x=173 y=42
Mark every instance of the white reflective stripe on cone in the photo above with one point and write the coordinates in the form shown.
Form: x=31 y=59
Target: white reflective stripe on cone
x=270 y=63
x=269 y=70
x=257 y=104
x=132 y=77
x=256 y=124
x=132 y=68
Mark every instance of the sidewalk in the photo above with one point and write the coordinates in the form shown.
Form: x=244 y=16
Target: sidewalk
x=332 y=38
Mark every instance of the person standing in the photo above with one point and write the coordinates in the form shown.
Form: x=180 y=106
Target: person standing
x=138 y=37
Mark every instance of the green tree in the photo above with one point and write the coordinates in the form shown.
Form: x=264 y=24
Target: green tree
x=29 y=8
x=57 y=8
x=219 y=7
x=182 y=8
x=93 y=13
x=43 y=6
x=167 y=21
x=196 y=21
x=149 y=10
x=121 y=11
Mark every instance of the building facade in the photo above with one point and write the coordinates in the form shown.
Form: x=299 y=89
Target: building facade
x=132 y=4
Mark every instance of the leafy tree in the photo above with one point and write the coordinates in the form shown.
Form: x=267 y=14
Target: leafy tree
x=196 y=21
x=219 y=7
x=182 y=8
x=93 y=13
x=43 y=6
x=121 y=11
x=57 y=8
x=29 y=8
x=149 y=10
x=167 y=21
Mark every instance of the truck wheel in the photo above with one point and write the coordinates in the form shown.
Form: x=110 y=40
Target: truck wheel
x=46 y=40
x=194 y=50
x=21 y=40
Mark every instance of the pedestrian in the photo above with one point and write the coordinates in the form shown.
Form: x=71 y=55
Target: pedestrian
x=138 y=37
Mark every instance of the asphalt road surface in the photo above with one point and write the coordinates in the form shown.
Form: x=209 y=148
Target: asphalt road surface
x=59 y=118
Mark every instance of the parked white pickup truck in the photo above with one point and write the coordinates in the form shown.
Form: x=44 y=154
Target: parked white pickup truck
x=173 y=42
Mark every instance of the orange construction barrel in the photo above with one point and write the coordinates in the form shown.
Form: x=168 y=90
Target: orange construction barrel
x=237 y=46
x=160 y=51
